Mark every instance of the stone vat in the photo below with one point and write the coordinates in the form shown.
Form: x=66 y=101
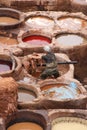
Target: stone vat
x=52 y=89
x=38 y=117
x=12 y=18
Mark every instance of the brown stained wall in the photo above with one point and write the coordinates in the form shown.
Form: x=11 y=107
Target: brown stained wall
x=79 y=54
x=79 y=6
x=8 y=97
x=46 y=5
x=36 y=5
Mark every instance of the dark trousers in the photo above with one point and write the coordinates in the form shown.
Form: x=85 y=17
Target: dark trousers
x=49 y=72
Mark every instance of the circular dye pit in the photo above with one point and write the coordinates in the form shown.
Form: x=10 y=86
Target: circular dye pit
x=69 y=123
x=40 y=22
x=63 y=69
x=71 y=23
x=4 y=20
x=60 y=91
x=70 y=40
x=8 y=40
x=5 y=66
x=25 y=126
x=26 y=95
x=37 y=40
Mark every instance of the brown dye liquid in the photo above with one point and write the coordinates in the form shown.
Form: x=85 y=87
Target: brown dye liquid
x=25 y=126
x=25 y=95
x=70 y=124
x=70 y=40
x=61 y=68
x=60 y=91
x=8 y=41
x=5 y=66
x=8 y=20
x=46 y=87
x=71 y=23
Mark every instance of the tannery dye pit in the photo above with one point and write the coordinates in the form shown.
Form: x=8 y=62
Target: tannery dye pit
x=61 y=91
x=67 y=123
x=37 y=40
x=25 y=126
x=8 y=20
x=43 y=61
x=8 y=40
x=25 y=95
x=40 y=22
x=75 y=23
x=70 y=40
x=5 y=66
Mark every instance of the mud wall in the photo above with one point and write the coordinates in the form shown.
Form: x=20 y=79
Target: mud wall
x=37 y=5
x=8 y=97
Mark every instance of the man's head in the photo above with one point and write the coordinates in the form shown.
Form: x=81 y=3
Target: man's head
x=47 y=48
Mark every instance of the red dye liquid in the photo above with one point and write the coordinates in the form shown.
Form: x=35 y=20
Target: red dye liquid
x=5 y=66
x=37 y=40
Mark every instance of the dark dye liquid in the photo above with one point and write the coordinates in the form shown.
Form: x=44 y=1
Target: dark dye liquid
x=5 y=66
x=25 y=95
x=37 y=40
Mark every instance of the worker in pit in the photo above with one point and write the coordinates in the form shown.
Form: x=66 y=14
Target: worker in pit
x=51 y=64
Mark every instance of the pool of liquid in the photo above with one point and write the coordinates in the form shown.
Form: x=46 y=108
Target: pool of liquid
x=63 y=69
x=8 y=40
x=61 y=91
x=71 y=23
x=37 y=40
x=25 y=126
x=69 y=40
x=25 y=95
x=8 y=20
x=5 y=66
x=69 y=123
x=40 y=22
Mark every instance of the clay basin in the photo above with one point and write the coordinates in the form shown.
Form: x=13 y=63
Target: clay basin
x=36 y=40
x=61 y=91
x=10 y=18
x=33 y=41
x=9 y=65
x=34 y=59
x=69 y=40
x=27 y=95
x=26 y=119
x=64 y=119
x=40 y=22
x=8 y=39
x=64 y=94
x=72 y=22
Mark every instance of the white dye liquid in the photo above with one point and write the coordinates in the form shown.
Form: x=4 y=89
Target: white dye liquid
x=40 y=22
x=70 y=23
x=70 y=40
x=69 y=123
